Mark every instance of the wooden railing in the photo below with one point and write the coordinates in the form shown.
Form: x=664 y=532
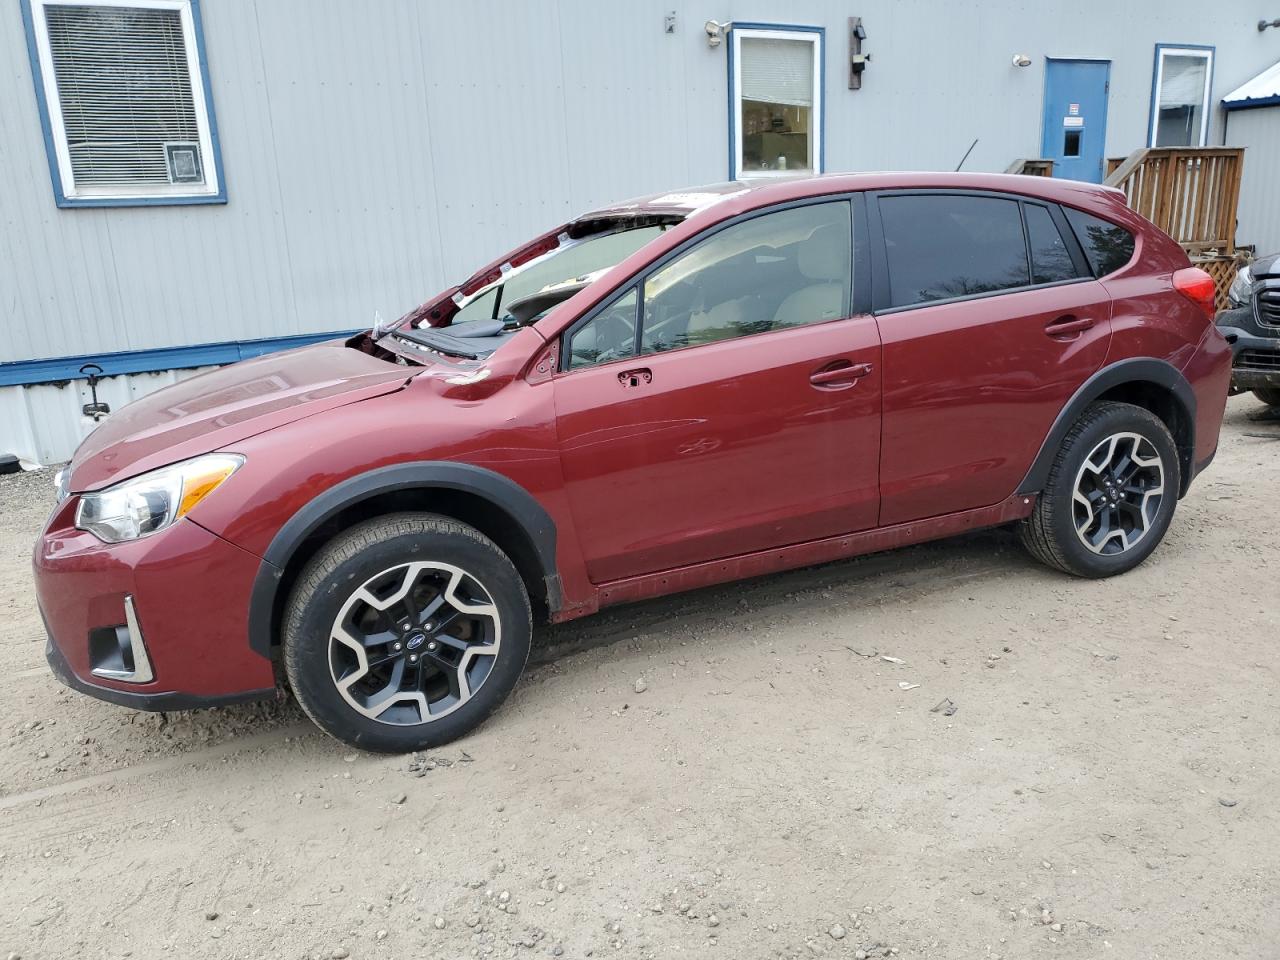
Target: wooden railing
x=1032 y=168
x=1190 y=193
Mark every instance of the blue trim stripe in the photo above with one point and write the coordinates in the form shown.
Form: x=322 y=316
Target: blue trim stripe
x=61 y=369
x=1249 y=104
x=60 y=197
x=822 y=86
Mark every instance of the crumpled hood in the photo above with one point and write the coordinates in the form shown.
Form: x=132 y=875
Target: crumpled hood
x=220 y=408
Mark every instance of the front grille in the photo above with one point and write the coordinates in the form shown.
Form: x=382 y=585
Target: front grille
x=1258 y=359
x=1269 y=307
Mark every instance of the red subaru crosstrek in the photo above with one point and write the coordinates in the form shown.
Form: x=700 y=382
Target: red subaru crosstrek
x=671 y=392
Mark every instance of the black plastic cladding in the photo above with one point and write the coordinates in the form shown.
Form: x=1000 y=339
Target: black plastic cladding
x=506 y=496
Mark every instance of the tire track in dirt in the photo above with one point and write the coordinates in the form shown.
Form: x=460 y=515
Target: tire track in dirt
x=25 y=820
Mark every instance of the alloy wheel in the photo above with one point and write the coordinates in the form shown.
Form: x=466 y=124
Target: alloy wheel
x=414 y=642
x=1117 y=493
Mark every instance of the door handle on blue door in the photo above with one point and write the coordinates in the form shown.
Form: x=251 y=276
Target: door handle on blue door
x=839 y=374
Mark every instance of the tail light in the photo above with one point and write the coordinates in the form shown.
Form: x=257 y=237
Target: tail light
x=1198 y=287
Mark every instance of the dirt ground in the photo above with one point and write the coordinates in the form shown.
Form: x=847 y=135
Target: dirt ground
x=1107 y=785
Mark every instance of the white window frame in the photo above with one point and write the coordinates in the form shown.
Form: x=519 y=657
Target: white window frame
x=1205 y=54
x=811 y=35
x=71 y=194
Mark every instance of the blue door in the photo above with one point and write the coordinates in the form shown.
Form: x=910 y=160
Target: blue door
x=1075 y=117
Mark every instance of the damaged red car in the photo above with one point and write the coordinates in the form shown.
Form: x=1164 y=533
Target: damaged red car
x=671 y=392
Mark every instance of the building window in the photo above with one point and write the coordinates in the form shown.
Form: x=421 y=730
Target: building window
x=776 y=101
x=1180 y=96
x=125 y=101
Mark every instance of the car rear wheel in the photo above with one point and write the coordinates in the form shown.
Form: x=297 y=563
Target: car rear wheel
x=1110 y=495
x=405 y=633
x=1269 y=395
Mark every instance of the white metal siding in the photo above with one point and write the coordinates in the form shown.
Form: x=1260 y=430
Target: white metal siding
x=1258 y=131
x=46 y=422
x=374 y=153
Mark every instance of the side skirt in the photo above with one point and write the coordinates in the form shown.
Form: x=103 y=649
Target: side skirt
x=813 y=552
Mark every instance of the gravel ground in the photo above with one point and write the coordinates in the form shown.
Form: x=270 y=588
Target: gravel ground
x=736 y=772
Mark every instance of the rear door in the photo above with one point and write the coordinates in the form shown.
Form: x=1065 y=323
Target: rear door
x=990 y=320
x=728 y=402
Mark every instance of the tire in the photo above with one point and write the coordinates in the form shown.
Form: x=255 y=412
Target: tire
x=1050 y=534
x=1268 y=395
x=343 y=647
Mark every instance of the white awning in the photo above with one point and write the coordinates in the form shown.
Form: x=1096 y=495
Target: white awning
x=1263 y=90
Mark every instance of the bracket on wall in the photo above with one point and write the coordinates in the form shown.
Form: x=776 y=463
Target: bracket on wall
x=95 y=409
x=857 y=59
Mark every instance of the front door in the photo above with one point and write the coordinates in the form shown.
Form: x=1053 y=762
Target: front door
x=727 y=403
x=1075 y=117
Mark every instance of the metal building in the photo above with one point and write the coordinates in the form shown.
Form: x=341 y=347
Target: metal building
x=183 y=183
x=1253 y=122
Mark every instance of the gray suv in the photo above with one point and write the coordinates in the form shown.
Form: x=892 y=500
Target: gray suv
x=1252 y=326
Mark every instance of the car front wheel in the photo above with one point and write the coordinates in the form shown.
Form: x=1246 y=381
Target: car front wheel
x=405 y=633
x=1110 y=495
x=1268 y=395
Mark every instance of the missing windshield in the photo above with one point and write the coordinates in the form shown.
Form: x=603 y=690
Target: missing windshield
x=524 y=294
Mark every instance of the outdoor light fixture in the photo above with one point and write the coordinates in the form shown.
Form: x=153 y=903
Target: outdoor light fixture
x=1263 y=24
x=857 y=59
x=715 y=32
x=1021 y=60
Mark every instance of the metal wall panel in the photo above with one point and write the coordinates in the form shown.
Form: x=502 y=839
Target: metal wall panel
x=373 y=153
x=45 y=422
x=1258 y=131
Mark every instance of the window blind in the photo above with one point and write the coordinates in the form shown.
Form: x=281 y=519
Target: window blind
x=125 y=90
x=1182 y=80
x=777 y=71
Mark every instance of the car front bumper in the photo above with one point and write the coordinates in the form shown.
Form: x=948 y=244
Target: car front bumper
x=177 y=601
x=1255 y=349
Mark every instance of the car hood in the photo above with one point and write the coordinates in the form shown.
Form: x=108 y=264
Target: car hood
x=1268 y=266
x=220 y=408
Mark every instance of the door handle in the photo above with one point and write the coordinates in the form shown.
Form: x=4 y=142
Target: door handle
x=633 y=378
x=840 y=374
x=1067 y=325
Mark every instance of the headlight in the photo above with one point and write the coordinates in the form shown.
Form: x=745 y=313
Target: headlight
x=62 y=482
x=1238 y=292
x=147 y=504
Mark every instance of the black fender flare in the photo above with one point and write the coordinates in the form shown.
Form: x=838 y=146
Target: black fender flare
x=506 y=496
x=1161 y=373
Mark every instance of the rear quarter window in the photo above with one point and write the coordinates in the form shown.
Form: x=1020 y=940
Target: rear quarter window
x=1107 y=246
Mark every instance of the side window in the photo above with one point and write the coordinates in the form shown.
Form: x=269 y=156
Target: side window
x=941 y=246
x=774 y=271
x=609 y=335
x=1050 y=259
x=1106 y=246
